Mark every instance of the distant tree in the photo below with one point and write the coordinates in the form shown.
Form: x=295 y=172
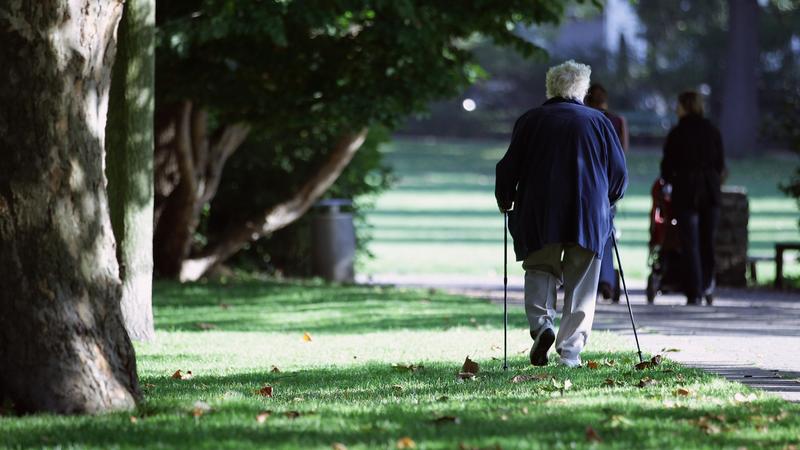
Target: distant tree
x=717 y=43
x=63 y=345
x=684 y=41
x=304 y=78
x=129 y=163
x=739 y=121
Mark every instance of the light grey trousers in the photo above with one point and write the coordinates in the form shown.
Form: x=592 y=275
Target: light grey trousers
x=578 y=269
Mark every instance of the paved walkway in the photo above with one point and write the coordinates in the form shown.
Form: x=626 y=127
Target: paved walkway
x=749 y=336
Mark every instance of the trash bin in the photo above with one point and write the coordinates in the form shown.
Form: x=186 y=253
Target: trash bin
x=333 y=240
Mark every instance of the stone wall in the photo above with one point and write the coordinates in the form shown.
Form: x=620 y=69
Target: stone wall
x=731 y=242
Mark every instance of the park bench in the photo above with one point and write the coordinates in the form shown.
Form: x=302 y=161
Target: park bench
x=780 y=247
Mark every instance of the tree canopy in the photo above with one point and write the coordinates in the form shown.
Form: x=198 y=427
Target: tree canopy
x=307 y=76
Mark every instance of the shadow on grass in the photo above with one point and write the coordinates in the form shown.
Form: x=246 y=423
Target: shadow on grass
x=306 y=306
x=374 y=405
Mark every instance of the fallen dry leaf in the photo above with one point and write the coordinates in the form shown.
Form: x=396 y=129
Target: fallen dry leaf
x=338 y=446
x=592 y=436
x=406 y=442
x=592 y=364
x=306 y=337
x=465 y=376
x=224 y=305
x=275 y=369
x=610 y=362
x=707 y=425
x=178 y=375
x=134 y=419
x=741 y=398
x=654 y=361
x=610 y=382
x=408 y=367
x=525 y=410
x=495 y=347
x=670 y=350
x=446 y=420
x=646 y=381
x=524 y=378
x=265 y=391
x=200 y=407
x=397 y=387
x=263 y=416
x=292 y=414
x=682 y=392
x=617 y=421
x=205 y=325
x=470 y=366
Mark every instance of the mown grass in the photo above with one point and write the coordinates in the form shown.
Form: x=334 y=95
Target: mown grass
x=442 y=218
x=344 y=387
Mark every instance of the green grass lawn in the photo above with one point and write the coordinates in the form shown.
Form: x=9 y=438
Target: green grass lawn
x=442 y=217
x=341 y=386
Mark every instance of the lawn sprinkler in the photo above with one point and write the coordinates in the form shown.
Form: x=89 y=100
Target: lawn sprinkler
x=505 y=290
x=625 y=289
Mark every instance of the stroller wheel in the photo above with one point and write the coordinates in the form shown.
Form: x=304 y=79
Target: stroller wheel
x=651 y=290
x=709 y=299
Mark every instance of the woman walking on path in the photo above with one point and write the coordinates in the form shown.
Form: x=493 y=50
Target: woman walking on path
x=597 y=98
x=694 y=164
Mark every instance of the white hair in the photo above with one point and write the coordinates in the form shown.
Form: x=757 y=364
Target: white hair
x=569 y=80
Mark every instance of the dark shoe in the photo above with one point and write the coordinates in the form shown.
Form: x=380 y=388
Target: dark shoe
x=709 y=299
x=693 y=301
x=541 y=345
x=605 y=290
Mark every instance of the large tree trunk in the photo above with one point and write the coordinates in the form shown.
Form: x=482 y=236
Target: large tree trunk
x=277 y=216
x=129 y=163
x=740 y=118
x=63 y=345
x=189 y=166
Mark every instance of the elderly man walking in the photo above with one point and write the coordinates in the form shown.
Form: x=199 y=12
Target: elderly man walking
x=562 y=172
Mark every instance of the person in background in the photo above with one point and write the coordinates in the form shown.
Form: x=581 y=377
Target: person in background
x=597 y=98
x=562 y=172
x=694 y=164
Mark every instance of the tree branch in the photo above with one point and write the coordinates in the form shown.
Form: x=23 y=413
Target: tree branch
x=230 y=139
x=280 y=215
x=183 y=147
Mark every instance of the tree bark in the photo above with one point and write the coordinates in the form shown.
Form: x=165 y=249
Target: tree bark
x=189 y=166
x=277 y=216
x=129 y=163
x=63 y=345
x=740 y=119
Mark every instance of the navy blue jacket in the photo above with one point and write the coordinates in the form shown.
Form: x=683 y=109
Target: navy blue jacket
x=563 y=171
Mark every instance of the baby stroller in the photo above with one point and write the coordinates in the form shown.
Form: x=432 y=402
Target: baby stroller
x=665 y=249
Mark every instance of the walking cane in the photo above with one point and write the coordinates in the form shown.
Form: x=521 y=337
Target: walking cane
x=625 y=289
x=505 y=290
